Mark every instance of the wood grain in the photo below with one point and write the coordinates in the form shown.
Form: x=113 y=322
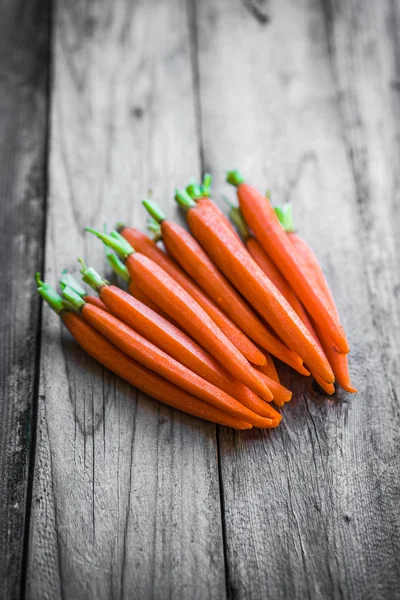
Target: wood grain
x=23 y=106
x=126 y=495
x=307 y=107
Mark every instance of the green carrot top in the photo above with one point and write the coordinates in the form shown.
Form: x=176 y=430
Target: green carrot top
x=115 y=241
x=234 y=177
x=91 y=277
x=285 y=216
x=75 y=300
x=50 y=295
x=117 y=265
x=154 y=210
x=69 y=280
x=184 y=199
x=197 y=191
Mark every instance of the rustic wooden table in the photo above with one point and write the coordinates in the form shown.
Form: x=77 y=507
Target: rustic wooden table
x=104 y=492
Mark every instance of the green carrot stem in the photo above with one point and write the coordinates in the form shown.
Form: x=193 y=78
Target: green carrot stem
x=155 y=229
x=184 y=200
x=234 y=177
x=118 y=266
x=206 y=185
x=285 y=216
x=50 y=295
x=194 y=190
x=235 y=215
x=75 y=301
x=114 y=241
x=91 y=277
x=68 y=280
x=120 y=226
x=154 y=210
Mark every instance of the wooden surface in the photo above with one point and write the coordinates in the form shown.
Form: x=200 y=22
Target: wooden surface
x=109 y=494
x=23 y=108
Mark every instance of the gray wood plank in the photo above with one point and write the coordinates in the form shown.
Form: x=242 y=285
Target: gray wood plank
x=23 y=106
x=126 y=498
x=307 y=100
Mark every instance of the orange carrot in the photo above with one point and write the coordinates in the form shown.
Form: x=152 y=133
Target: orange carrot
x=95 y=302
x=185 y=249
x=280 y=393
x=99 y=348
x=233 y=259
x=265 y=225
x=149 y=355
x=178 y=304
x=313 y=271
x=172 y=340
x=269 y=268
x=149 y=248
x=270 y=369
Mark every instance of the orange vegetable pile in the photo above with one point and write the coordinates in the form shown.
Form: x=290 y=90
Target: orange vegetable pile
x=203 y=321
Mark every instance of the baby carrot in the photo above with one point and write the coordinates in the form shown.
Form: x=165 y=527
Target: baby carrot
x=280 y=393
x=269 y=268
x=233 y=259
x=149 y=248
x=270 y=369
x=172 y=340
x=120 y=269
x=203 y=191
x=99 y=348
x=149 y=355
x=313 y=271
x=265 y=225
x=178 y=304
x=187 y=251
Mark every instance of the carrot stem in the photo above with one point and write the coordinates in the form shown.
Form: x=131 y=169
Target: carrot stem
x=154 y=210
x=117 y=265
x=285 y=216
x=73 y=298
x=115 y=241
x=91 y=277
x=50 y=295
x=184 y=199
x=69 y=280
x=234 y=177
x=237 y=219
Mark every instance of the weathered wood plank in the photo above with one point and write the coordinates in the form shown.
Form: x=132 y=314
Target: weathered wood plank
x=311 y=509
x=126 y=497
x=23 y=104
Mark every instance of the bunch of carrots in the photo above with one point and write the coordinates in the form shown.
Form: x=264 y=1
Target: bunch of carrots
x=202 y=322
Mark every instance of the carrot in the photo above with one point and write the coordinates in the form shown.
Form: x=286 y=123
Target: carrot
x=149 y=248
x=69 y=280
x=270 y=369
x=120 y=269
x=265 y=225
x=280 y=393
x=149 y=355
x=313 y=270
x=203 y=191
x=233 y=259
x=185 y=249
x=99 y=348
x=179 y=305
x=172 y=340
x=269 y=268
